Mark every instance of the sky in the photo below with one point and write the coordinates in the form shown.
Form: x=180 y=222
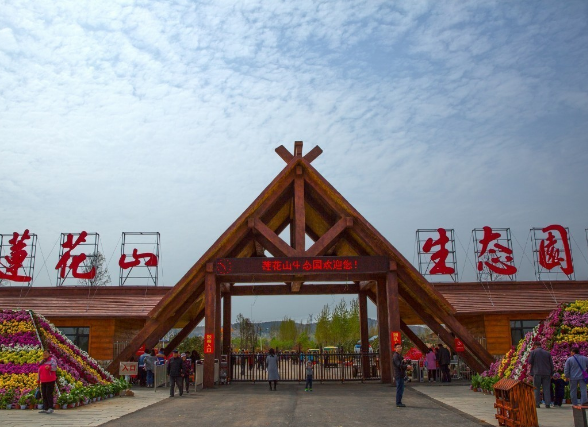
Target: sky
x=163 y=116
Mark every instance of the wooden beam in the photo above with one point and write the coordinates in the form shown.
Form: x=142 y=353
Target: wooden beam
x=299 y=220
x=329 y=239
x=295 y=286
x=413 y=337
x=218 y=323
x=313 y=154
x=364 y=334
x=270 y=240
x=307 y=289
x=177 y=340
x=451 y=322
x=444 y=334
x=227 y=323
x=393 y=306
x=210 y=324
x=298 y=148
x=284 y=153
x=384 y=333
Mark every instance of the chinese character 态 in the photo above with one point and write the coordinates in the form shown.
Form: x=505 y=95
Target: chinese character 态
x=151 y=260
x=441 y=255
x=550 y=255
x=76 y=260
x=16 y=259
x=496 y=264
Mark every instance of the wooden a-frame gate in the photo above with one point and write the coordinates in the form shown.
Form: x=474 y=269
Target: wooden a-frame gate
x=347 y=253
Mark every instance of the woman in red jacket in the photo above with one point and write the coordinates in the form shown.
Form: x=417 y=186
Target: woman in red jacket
x=47 y=378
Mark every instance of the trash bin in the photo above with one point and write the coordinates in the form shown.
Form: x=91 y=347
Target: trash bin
x=579 y=415
x=515 y=403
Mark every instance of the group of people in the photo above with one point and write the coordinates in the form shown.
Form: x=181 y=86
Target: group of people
x=544 y=377
x=438 y=359
x=152 y=357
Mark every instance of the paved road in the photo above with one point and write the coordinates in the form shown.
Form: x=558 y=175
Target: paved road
x=349 y=404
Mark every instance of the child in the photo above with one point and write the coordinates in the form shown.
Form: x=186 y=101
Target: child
x=309 y=373
x=559 y=387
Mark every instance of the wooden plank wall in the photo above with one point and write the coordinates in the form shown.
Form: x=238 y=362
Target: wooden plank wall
x=126 y=329
x=101 y=334
x=497 y=326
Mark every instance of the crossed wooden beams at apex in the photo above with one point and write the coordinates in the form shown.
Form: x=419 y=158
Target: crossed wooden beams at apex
x=287 y=156
x=279 y=248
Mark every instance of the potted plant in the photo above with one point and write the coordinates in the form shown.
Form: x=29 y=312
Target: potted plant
x=8 y=398
x=23 y=401
x=567 y=395
x=62 y=400
x=476 y=382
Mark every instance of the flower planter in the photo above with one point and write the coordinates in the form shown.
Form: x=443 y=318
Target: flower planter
x=71 y=405
x=40 y=406
x=9 y=406
x=569 y=401
x=23 y=406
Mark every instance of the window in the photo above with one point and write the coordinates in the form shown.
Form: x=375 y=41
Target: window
x=79 y=335
x=519 y=328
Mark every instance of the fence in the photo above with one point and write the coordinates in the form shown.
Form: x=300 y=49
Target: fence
x=292 y=367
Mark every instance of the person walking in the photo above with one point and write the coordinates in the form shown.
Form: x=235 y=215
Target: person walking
x=574 y=370
x=309 y=375
x=175 y=369
x=431 y=364
x=187 y=366
x=271 y=363
x=444 y=358
x=47 y=375
x=150 y=362
x=399 y=373
x=542 y=371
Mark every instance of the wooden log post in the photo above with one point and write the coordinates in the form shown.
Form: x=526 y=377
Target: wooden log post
x=210 y=324
x=364 y=334
x=393 y=307
x=217 y=323
x=384 y=333
x=227 y=323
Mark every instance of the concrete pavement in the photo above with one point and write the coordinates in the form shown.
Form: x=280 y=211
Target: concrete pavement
x=481 y=406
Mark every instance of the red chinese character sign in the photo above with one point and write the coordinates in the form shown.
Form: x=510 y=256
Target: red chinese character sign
x=139 y=258
x=395 y=338
x=77 y=257
x=17 y=257
x=302 y=265
x=494 y=254
x=436 y=250
x=459 y=346
x=208 y=343
x=552 y=252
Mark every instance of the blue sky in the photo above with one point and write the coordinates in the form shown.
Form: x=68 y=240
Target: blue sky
x=163 y=116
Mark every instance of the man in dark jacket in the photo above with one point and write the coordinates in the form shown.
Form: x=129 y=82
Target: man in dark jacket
x=399 y=373
x=542 y=371
x=444 y=358
x=175 y=370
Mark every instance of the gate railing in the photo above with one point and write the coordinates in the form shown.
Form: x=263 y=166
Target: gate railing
x=292 y=366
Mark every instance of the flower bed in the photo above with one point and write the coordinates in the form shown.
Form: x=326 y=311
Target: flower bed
x=565 y=326
x=23 y=336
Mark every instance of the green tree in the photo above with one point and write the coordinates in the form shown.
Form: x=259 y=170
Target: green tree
x=248 y=333
x=288 y=330
x=322 y=334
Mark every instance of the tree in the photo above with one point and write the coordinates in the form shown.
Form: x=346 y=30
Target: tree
x=248 y=333
x=322 y=332
x=288 y=330
x=102 y=278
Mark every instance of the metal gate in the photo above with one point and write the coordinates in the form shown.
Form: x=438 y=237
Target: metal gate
x=291 y=366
